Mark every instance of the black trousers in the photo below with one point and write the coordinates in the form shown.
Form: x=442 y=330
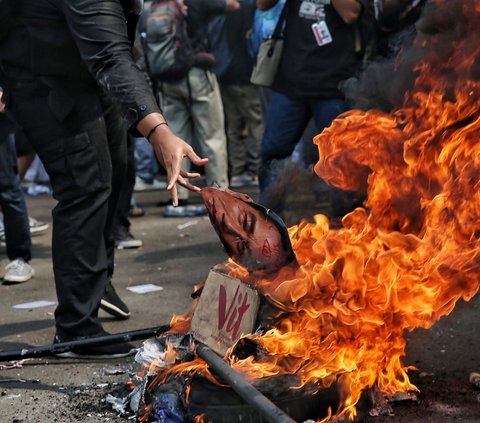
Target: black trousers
x=121 y=220
x=74 y=136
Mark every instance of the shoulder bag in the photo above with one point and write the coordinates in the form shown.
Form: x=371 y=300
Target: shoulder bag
x=268 y=56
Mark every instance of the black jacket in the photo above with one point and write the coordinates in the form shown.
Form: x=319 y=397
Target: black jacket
x=77 y=45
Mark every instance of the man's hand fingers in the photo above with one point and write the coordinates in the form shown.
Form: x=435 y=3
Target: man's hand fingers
x=174 y=195
x=189 y=175
x=195 y=158
x=184 y=183
x=173 y=173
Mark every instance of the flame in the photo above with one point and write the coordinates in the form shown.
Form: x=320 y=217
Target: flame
x=404 y=260
x=180 y=323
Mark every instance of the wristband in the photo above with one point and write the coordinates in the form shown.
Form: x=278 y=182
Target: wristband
x=153 y=130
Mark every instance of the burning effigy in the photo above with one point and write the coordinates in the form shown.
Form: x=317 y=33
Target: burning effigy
x=336 y=303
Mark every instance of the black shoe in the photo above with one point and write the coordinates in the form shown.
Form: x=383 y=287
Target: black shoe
x=124 y=239
x=112 y=304
x=122 y=349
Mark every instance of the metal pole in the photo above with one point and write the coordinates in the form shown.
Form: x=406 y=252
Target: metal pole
x=250 y=394
x=45 y=350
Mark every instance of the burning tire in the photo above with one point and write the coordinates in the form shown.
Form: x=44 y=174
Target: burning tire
x=222 y=405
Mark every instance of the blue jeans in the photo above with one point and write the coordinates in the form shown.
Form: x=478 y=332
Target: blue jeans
x=286 y=121
x=15 y=215
x=146 y=166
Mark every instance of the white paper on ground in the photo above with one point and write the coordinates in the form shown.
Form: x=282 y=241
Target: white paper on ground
x=187 y=224
x=35 y=304
x=143 y=289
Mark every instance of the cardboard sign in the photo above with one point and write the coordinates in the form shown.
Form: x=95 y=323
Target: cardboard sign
x=226 y=309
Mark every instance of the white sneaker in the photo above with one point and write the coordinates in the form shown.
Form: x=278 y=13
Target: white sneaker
x=37 y=227
x=18 y=271
x=141 y=185
x=243 y=180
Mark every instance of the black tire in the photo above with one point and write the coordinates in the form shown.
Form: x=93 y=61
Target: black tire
x=222 y=405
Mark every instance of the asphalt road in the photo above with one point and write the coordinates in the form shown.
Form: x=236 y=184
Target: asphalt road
x=175 y=258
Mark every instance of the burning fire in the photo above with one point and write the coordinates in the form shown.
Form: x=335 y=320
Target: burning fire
x=404 y=260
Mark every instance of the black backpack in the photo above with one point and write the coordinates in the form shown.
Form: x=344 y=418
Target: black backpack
x=168 y=50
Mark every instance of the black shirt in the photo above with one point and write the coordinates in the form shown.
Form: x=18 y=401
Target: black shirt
x=308 y=70
x=77 y=45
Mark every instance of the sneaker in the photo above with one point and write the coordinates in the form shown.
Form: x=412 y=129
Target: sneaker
x=141 y=185
x=18 y=271
x=122 y=349
x=112 y=303
x=37 y=227
x=243 y=180
x=127 y=241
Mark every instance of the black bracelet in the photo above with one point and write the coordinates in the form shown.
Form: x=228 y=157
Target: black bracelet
x=153 y=130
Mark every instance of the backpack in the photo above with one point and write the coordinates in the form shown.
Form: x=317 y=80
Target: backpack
x=163 y=31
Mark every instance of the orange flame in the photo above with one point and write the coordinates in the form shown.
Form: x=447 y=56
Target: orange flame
x=407 y=258
x=404 y=260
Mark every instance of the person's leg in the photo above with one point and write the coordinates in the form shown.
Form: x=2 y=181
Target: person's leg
x=264 y=94
x=25 y=153
x=324 y=112
x=286 y=121
x=119 y=201
x=237 y=156
x=144 y=156
x=121 y=227
x=250 y=110
x=12 y=201
x=117 y=145
x=209 y=125
x=77 y=159
x=146 y=167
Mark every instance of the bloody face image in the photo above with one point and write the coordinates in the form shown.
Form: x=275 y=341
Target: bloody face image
x=249 y=236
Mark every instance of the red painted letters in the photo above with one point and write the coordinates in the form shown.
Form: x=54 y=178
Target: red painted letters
x=234 y=315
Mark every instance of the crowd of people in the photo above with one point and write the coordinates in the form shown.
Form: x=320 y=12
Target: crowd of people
x=104 y=124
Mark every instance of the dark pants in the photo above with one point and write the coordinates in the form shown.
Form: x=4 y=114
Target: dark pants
x=121 y=222
x=120 y=153
x=286 y=121
x=15 y=215
x=69 y=133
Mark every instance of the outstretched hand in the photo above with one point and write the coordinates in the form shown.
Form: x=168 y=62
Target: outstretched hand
x=171 y=151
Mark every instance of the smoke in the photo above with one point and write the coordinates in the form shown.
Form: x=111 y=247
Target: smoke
x=295 y=191
x=383 y=82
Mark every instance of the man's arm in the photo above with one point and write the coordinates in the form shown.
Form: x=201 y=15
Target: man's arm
x=349 y=10
x=100 y=32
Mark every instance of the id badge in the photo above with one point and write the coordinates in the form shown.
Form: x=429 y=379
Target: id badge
x=322 y=33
